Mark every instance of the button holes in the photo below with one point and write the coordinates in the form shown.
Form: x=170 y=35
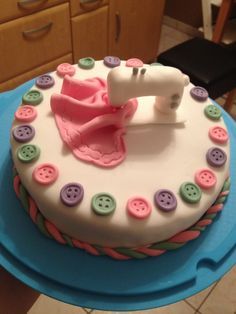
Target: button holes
x=108 y=200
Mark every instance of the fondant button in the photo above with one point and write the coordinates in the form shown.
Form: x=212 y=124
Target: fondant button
x=45 y=173
x=139 y=207
x=72 y=194
x=111 y=61
x=190 y=192
x=134 y=62
x=199 y=93
x=28 y=153
x=23 y=133
x=86 y=63
x=45 y=81
x=33 y=97
x=218 y=134
x=103 y=204
x=65 y=69
x=216 y=157
x=26 y=113
x=165 y=200
x=205 y=178
x=156 y=64
x=212 y=112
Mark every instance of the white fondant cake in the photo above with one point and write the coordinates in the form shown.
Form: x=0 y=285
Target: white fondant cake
x=169 y=140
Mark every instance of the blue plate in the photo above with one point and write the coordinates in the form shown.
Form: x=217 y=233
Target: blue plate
x=75 y=277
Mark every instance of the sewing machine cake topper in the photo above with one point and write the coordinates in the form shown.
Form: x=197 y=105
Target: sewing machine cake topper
x=166 y=83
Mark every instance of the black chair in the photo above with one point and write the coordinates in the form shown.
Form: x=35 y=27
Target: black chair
x=208 y=64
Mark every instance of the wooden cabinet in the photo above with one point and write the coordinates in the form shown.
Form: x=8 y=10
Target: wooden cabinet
x=12 y=9
x=83 y=6
x=38 y=38
x=134 y=28
x=89 y=33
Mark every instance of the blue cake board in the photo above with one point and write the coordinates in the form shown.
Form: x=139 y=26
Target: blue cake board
x=73 y=276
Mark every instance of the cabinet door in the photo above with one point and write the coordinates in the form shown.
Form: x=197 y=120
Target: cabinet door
x=134 y=28
x=89 y=33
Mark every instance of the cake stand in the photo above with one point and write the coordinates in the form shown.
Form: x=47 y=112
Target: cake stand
x=75 y=277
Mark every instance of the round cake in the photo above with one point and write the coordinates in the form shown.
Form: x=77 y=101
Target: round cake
x=118 y=157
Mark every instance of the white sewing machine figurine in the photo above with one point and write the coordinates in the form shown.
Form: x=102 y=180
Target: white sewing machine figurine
x=165 y=83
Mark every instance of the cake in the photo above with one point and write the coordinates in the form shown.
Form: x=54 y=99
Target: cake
x=119 y=157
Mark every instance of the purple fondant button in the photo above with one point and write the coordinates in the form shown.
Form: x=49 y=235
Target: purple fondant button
x=216 y=157
x=199 y=93
x=45 y=81
x=111 y=61
x=23 y=133
x=72 y=194
x=165 y=200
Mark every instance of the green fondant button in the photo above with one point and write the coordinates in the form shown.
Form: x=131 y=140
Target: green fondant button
x=212 y=112
x=28 y=153
x=190 y=192
x=33 y=97
x=86 y=63
x=156 y=64
x=103 y=204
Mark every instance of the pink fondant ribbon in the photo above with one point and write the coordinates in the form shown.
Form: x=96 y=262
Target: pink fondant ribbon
x=88 y=124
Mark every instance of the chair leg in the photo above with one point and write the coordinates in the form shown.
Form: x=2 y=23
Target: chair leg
x=221 y=21
x=229 y=100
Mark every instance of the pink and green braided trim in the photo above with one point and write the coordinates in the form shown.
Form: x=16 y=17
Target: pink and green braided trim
x=155 y=249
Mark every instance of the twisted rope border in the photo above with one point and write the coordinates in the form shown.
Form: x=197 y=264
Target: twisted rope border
x=155 y=249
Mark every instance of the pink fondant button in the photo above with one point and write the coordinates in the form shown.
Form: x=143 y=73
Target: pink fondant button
x=26 y=113
x=45 y=173
x=65 y=69
x=138 y=207
x=205 y=178
x=134 y=62
x=218 y=134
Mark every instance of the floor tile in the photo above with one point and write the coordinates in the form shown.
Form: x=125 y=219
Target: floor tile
x=177 y=308
x=222 y=300
x=48 y=305
x=171 y=37
x=197 y=300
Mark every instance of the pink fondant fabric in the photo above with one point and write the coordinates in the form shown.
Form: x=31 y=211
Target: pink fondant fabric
x=88 y=124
